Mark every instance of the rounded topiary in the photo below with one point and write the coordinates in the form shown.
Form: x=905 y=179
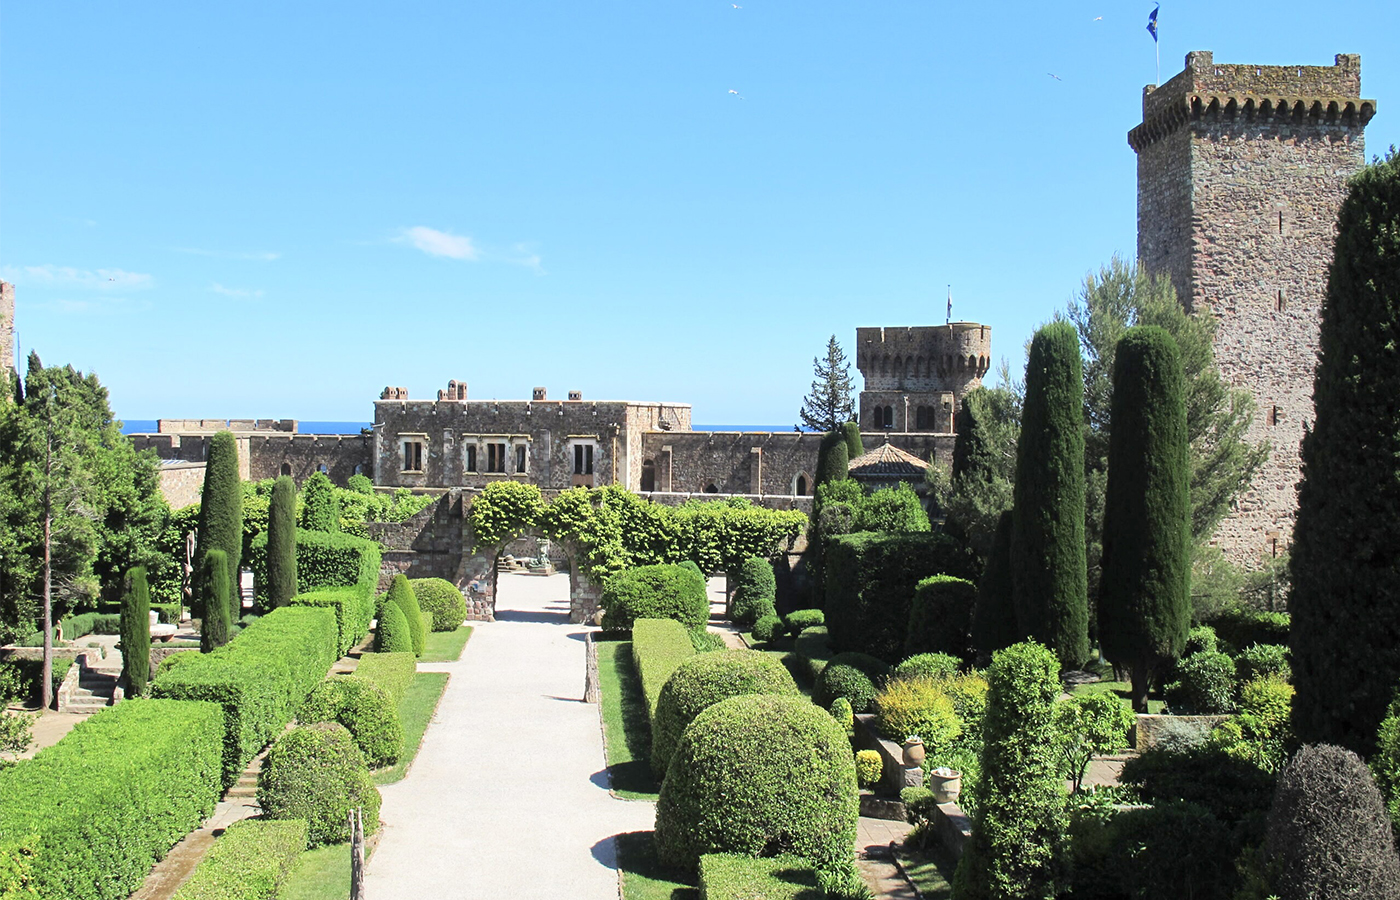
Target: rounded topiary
x=401 y=594
x=442 y=600
x=869 y=767
x=767 y=628
x=367 y=710
x=916 y=707
x=940 y=616
x=704 y=680
x=928 y=665
x=1204 y=685
x=136 y=631
x=1329 y=834
x=843 y=714
x=282 y=543
x=1201 y=639
x=214 y=593
x=654 y=592
x=757 y=775
x=320 y=506
x=855 y=676
x=316 y=773
x=392 y=634
x=801 y=619
x=756 y=591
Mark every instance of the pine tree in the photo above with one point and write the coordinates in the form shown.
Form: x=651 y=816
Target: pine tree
x=215 y=589
x=1345 y=561
x=829 y=404
x=1049 y=588
x=320 y=508
x=221 y=509
x=994 y=617
x=855 y=447
x=136 y=631
x=282 y=543
x=1145 y=591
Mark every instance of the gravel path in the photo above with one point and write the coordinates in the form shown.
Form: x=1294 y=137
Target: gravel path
x=508 y=795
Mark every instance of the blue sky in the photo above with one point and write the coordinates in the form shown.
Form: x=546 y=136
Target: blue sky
x=261 y=209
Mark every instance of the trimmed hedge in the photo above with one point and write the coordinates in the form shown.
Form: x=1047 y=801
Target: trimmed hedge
x=392 y=634
x=870 y=584
x=401 y=593
x=940 y=618
x=755 y=591
x=325 y=559
x=704 y=680
x=759 y=774
x=345 y=603
x=658 y=647
x=441 y=598
x=316 y=773
x=813 y=651
x=1204 y=685
x=730 y=876
x=248 y=862
x=102 y=805
x=854 y=676
x=1240 y=628
x=927 y=665
x=800 y=620
x=392 y=671
x=654 y=592
x=366 y=709
x=84 y=624
x=260 y=678
x=768 y=628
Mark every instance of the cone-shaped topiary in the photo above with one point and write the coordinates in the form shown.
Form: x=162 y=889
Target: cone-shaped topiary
x=1145 y=589
x=401 y=594
x=756 y=591
x=1329 y=834
x=833 y=458
x=282 y=542
x=994 y=618
x=1049 y=578
x=316 y=773
x=854 y=446
x=320 y=506
x=702 y=681
x=136 y=631
x=221 y=512
x=214 y=588
x=392 y=634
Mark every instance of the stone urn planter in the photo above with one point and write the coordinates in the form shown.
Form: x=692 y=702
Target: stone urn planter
x=914 y=751
x=945 y=783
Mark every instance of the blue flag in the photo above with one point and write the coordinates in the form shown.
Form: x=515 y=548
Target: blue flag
x=1152 y=22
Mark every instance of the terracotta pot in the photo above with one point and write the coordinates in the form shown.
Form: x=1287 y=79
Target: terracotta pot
x=913 y=753
x=945 y=787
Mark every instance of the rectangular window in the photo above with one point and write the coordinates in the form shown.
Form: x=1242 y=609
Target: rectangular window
x=583 y=459
x=471 y=458
x=496 y=458
x=520 y=458
x=413 y=456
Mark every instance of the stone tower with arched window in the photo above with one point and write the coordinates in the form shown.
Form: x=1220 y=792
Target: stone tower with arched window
x=916 y=377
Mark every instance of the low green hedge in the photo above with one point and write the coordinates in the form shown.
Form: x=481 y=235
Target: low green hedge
x=84 y=624
x=366 y=709
x=799 y=620
x=392 y=671
x=940 y=617
x=1239 y=628
x=729 y=876
x=248 y=862
x=443 y=600
x=813 y=651
x=325 y=559
x=316 y=773
x=345 y=602
x=654 y=592
x=102 y=805
x=260 y=678
x=658 y=646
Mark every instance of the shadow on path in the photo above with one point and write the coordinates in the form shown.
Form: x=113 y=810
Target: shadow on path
x=537 y=616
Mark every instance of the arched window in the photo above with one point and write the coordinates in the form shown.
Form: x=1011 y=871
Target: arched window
x=887 y=420
x=799 y=485
x=648 y=475
x=359 y=468
x=923 y=418
x=286 y=468
x=711 y=489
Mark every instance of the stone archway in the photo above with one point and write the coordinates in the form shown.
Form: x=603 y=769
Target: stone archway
x=477 y=578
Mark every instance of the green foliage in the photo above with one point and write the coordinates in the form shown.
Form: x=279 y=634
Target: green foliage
x=658 y=647
x=366 y=709
x=401 y=594
x=940 y=618
x=916 y=707
x=1259 y=733
x=392 y=671
x=706 y=641
x=1241 y=628
x=894 y=510
x=829 y=405
x=214 y=591
x=844 y=715
x=994 y=624
x=1201 y=639
x=813 y=650
x=928 y=665
x=136 y=632
x=1049 y=590
x=654 y=592
x=320 y=506
x=733 y=785
x=704 y=680
x=1089 y=725
x=732 y=876
x=248 y=861
x=755 y=591
x=345 y=603
x=1145 y=592
x=1263 y=661
x=221 y=513
x=833 y=459
x=767 y=628
x=854 y=446
x=870 y=765
x=853 y=676
x=1204 y=685
x=1162 y=852
x=979 y=487
x=392 y=634
x=799 y=620
x=1018 y=846
x=870 y=584
x=504 y=510
x=260 y=678
x=360 y=484
x=442 y=600
x=1234 y=791
x=317 y=774
x=282 y=543
x=98 y=808
x=327 y=560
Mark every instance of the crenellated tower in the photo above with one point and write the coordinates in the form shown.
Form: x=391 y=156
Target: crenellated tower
x=7 y=326
x=915 y=377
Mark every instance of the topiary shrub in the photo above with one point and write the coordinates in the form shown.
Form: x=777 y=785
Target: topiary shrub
x=916 y=707
x=214 y=593
x=392 y=671
x=392 y=634
x=759 y=774
x=1263 y=661
x=1204 y=685
x=854 y=676
x=320 y=506
x=401 y=594
x=1385 y=763
x=843 y=714
x=220 y=511
x=928 y=665
x=442 y=600
x=366 y=709
x=1201 y=639
x=800 y=620
x=281 y=552
x=1329 y=834
x=812 y=650
x=940 y=618
x=704 y=680
x=654 y=592
x=767 y=628
x=316 y=773
x=136 y=631
x=755 y=592
x=870 y=765
x=658 y=647
x=1238 y=628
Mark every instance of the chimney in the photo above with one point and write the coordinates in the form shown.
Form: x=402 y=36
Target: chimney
x=539 y=393
x=575 y=395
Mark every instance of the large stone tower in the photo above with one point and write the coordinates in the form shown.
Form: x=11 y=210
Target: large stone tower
x=7 y=326
x=915 y=378
x=1241 y=171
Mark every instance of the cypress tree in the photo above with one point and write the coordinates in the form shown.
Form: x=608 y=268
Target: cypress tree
x=221 y=506
x=282 y=543
x=1049 y=585
x=320 y=508
x=1145 y=588
x=214 y=589
x=136 y=631
x=833 y=458
x=1345 y=561
x=401 y=595
x=854 y=446
x=994 y=618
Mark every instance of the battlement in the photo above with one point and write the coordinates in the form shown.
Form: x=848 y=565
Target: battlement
x=237 y=426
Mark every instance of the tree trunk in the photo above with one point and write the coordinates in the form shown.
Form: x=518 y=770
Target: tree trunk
x=1142 y=683
x=357 y=854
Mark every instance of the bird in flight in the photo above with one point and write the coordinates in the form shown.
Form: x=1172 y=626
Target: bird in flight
x=1054 y=76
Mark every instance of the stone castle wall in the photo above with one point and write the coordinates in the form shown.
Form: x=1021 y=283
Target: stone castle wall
x=918 y=375
x=267 y=454
x=7 y=326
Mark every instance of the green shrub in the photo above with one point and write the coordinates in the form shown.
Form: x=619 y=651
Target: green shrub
x=855 y=676
x=735 y=785
x=731 y=876
x=916 y=707
x=755 y=591
x=325 y=559
x=247 y=862
x=1204 y=685
x=392 y=671
x=366 y=709
x=1259 y=732
x=401 y=595
x=767 y=628
x=84 y=624
x=870 y=581
x=658 y=647
x=282 y=543
x=940 y=618
x=214 y=591
x=1233 y=790
x=994 y=624
x=1201 y=639
x=896 y=510
x=1163 y=852
x=316 y=773
x=706 y=641
x=800 y=620
x=1239 y=628
x=813 y=650
x=654 y=592
x=98 y=808
x=443 y=600
x=845 y=716
x=392 y=634
x=260 y=678
x=320 y=505
x=136 y=631
x=1263 y=661
x=833 y=458
x=870 y=765
x=928 y=665
x=704 y=680
x=345 y=603
x=168 y=613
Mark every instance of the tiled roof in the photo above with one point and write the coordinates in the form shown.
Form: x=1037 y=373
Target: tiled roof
x=888 y=460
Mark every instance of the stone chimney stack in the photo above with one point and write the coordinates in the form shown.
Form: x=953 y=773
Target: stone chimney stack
x=540 y=394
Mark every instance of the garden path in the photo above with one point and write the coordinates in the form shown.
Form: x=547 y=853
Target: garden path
x=509 y=794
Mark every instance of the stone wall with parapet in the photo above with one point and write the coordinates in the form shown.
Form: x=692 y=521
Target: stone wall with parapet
x=269 y=454
x=181 y=483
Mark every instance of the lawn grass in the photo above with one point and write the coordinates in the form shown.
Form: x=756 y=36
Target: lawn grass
x=445 y=646
x=1124 y=691
x=320 y=874
x=643 y=876
x=931 y=870
x=415 y=712
x=626 y=729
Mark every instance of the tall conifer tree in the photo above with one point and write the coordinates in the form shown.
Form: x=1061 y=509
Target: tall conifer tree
x=994 y=618
x=136 y=631
x=829 y=404
x=854 y=446
x=221 y=508
x=282 y=542
x=215 y=589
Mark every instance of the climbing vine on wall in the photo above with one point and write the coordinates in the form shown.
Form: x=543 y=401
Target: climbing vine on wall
x=505 y=509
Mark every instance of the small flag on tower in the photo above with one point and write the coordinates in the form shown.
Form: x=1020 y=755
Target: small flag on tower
x=1152 y=22
x=950 y=304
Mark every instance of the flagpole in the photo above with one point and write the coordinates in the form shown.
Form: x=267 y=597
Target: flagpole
x=1157 y=45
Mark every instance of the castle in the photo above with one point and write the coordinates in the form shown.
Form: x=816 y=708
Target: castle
x=7 y=326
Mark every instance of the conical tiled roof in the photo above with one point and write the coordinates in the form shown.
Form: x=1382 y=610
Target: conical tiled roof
x=890 y=462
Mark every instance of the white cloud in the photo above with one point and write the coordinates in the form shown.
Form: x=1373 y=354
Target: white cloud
x=69 y=277
x=228 y=254
x=440 y=243
x=241 y=293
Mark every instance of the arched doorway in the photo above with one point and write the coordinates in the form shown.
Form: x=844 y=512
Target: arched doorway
x=572 y=597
